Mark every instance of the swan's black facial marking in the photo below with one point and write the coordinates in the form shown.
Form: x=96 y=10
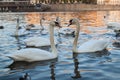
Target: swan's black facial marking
x=70 y=22
x=57 y=24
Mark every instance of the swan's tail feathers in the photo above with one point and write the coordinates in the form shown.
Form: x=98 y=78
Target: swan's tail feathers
x=5 y=55
x=11 y=58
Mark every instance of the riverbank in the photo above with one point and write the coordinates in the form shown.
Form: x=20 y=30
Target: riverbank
x=81 y=7
x=23 y=6
x=13 y=7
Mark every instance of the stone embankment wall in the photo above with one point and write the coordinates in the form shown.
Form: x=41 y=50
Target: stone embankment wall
x=81 y=7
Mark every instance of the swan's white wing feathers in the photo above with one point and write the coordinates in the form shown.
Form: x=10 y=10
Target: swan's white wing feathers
x=93 y=45
x=114 y=25
x=38 y=41
x=31 y=54
x=22 y=32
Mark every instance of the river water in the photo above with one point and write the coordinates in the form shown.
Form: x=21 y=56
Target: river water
x=68 y=66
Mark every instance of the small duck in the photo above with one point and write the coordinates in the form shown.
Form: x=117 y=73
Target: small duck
x=117 y=35
x=25 y=77
x=67 y=31
x=1 y=27
x=116 y=44
x=29 y=26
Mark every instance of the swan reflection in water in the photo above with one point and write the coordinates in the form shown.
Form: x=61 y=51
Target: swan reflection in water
x=52 y=66
x=77 y=63
x=18 y=43
x=21 y=65
x=104 y=52
x=26 y=65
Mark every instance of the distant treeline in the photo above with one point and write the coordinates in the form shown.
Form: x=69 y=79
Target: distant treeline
x=67 y=1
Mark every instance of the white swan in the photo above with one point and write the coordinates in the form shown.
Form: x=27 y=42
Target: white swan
x=113 y=25
x=34 y=54
x=37 y=42
x=22 y=31
x=92 y=45
x=115 y=28
x=35 y=27
x=41 y=28
x=19 y=30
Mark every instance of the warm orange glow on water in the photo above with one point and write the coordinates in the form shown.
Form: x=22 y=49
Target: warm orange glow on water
x=32 y=18
x=87 y=18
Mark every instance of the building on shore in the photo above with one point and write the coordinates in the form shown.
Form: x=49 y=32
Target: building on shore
x=21 y=5
x=36 y=5
x=12 y=5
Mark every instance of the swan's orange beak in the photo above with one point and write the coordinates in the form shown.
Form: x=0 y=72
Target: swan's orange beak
x=57 y=24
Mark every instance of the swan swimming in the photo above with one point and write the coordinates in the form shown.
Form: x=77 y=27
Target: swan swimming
x=35 y=41
x=36 y=27
x=35 y=54
x=41 y=29
x=38 y=42
x=92 y=45
x=19 y=30
x=113 y=25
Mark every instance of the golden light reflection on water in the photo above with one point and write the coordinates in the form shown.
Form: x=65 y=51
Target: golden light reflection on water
x=87 y=18
x=114 y=16
x=32 y=18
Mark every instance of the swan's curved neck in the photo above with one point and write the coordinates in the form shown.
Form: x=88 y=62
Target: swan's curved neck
x=41 y=24
x=76 y=37
x=54 y=50
x=16 y=32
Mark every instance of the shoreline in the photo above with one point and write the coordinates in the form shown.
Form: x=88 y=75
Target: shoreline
x=82 y=7
x=69 y=8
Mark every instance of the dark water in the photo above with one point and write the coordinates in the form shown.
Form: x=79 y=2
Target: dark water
x=68 y=66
